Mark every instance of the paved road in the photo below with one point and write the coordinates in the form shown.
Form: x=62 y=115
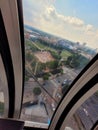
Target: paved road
x=88 y=112
x=51 y=86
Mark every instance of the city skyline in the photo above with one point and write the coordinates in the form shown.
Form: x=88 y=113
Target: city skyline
x=68 y=19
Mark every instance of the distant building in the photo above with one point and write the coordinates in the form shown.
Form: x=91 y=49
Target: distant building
x=27 y=35
x=33 y=37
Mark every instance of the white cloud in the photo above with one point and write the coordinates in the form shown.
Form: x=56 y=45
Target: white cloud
x=52 y=14
x=74 y=21
x=97 y=34
x=89 y=27
x=43 y=15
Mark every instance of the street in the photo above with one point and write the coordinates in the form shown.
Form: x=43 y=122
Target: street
x=52 y=95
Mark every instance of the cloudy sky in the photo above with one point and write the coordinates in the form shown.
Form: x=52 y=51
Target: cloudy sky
x=75 y=20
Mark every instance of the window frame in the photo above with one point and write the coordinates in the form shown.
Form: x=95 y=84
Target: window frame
x=8 y=70
x=57 y=121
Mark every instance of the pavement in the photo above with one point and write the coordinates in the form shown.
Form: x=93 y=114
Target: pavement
x=36 y=110
x=52 y=86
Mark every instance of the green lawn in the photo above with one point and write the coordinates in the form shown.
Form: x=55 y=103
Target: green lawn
x=65 y=54
x=44 y=47
x=28 y=42
x=31 y=46
x=37 y=45
x=40 y=45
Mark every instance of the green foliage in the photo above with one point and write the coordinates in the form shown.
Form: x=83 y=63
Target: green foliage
x=26 y=78
x=31 y=46
x=52 y=64
x=77 y=61
x=40 y=67
x=37 y=91
x=61 y=71
x=50 y=44
x=43 y=45
x=28 y=57
x=55 y=55
x=43 y=42
x=1 y=108
x=57 y=71
x=45 y=77
x=83 y=61
x=33 y=63
x=65 y=54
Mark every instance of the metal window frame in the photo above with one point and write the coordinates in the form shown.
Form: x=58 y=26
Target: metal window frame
x=10 y=16
x=16 y=44
x=6 y=63
x=66 y=105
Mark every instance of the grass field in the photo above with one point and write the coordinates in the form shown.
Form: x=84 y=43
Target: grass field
x=40 y=45
x=44 y=47
x=37 y=45
x=28 y=42
x=31 y=46
x=65 y=54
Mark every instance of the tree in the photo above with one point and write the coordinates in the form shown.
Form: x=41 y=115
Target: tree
x=46 y=76
x=37 y=91
x=56 y=55
x=77 y=61
x=28 y=57
x=52 y=64
x=40 y=67
x=61 y=71
x=26 y=78
x=33 y=63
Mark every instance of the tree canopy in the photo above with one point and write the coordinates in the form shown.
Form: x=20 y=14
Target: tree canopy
x=37 y=91
x=77 y=61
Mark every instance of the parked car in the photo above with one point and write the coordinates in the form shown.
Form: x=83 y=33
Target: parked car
x=53 y=106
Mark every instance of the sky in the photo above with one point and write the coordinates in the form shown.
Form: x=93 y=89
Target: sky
x=75 y=20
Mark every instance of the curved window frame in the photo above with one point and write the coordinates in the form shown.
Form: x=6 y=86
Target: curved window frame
x=16 y=19
x=4 y=84
x=84 y=71
x=12 y=28
x=95 y=126
x=90 y=72
x=7 y=77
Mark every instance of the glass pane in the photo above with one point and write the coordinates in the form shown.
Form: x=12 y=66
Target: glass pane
x=86 y=115
x=58 y=45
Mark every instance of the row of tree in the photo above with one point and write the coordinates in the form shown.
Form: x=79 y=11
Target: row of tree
x=77 y=61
